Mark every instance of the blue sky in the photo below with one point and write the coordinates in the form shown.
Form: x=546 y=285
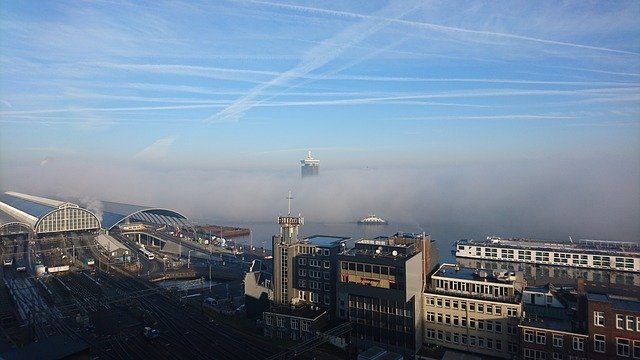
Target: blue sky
x=92 y=88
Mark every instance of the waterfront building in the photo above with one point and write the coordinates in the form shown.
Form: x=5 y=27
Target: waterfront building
x=310 y=166
x=587 y=254
x=380 y=292
x=473 y=310
x=536 y=274
x=553 y=326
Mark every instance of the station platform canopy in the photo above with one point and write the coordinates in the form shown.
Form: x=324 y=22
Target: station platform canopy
x=114 y=213
x=43 y=215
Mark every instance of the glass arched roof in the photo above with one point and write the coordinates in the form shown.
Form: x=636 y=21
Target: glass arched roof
x=113 y=213
x=109 y=213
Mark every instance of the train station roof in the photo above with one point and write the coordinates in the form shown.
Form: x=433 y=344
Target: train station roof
x=28 y=209
x=114 y=213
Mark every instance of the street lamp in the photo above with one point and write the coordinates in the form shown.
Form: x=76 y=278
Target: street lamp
x=189 y=259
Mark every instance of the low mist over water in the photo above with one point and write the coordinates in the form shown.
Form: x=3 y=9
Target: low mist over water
x=551 y=199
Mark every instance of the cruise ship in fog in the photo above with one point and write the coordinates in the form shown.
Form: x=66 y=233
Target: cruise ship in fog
x=588 y=254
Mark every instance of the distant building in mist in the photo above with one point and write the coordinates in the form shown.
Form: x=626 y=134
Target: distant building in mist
x=309 y=166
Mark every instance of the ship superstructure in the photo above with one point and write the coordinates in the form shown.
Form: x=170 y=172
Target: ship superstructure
x=590 y=254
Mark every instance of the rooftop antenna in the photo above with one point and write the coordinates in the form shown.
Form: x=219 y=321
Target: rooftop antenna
x=289 y=198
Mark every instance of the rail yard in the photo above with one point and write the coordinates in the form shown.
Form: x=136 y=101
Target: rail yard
x=67 y=291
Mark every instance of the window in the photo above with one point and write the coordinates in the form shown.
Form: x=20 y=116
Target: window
x=306 y=325
x=326 y=264
x=498 y=310
x=623 y=347
x=557 y=356
x=280 y=321
x=578 y=343
x=489 y=325
x=439 y=302
x=638 y=323
x=630 y=323
x=512 y=312
x=302 y=261
x=447 y=303
x=480 y=308
x=558 y=340
x=472 y=307
x=302 y=272
x=530 y=354
x=598 y=318
x=619 y=321
x=541 y=338
x=498 y=328
x=295 y=324
x=599 y=343
x=489 y=309
x=431 y=316
x=269 y=320
x=431 y=333
x=636 y=349
x=528 y=336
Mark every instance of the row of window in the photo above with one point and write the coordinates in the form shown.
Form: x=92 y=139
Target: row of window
x=455 y=320
x=314 y=262
x=313 y=250
x=314 y=274
x=472 y=306
x=623 y=322
x=314 y=285
x=540 y=337
x=623 y=346
x=559 y=258
x=472 y=341
x=375 y=271
x=294 y=324
x=467 y=287
x=394 y=310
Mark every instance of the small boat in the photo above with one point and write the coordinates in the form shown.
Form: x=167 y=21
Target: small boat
x=372 y=220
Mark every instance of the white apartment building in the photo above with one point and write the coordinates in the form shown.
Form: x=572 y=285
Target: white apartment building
x=473 y=310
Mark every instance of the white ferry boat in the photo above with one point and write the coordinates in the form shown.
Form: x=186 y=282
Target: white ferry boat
x=372 y=220
x=589 y=254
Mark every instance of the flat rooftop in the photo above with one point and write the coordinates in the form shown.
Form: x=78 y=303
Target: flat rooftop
x=326 y=240
x=452 y=271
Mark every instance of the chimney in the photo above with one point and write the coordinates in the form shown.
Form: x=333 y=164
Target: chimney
x=581 y=285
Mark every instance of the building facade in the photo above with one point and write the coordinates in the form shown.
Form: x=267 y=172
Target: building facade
x=304 y=282
x=614 y=327
x=315 y=270
x=380 y=292
x=552 y=327
x=473 y=310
